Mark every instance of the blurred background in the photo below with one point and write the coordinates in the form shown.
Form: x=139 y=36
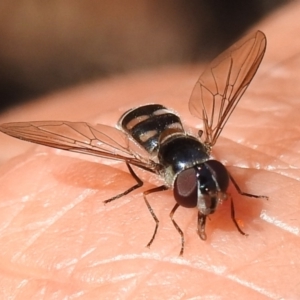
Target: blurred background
x=50 y=45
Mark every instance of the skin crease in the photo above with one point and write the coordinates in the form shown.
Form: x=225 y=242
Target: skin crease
x=59 y=241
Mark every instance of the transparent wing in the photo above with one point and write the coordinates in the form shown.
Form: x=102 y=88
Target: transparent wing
x=224 y=81
x=100 y=140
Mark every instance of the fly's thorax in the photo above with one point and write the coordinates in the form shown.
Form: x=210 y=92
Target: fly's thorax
x=180 y=152
x=149 y=124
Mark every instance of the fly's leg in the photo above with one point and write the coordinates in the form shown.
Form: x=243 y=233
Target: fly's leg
x=154 y=190
x=201 y=226
x=235 y=221
x=232 y=205
x=138 y=184
x=243 y=193
x=177 y=228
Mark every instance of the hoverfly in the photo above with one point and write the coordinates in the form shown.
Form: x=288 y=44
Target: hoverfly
x=152 y=137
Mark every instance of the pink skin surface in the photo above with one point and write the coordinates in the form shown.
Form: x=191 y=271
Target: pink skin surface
x=59 y=241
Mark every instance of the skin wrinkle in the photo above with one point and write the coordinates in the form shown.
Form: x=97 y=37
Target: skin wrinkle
x=84 y=254
x=226 y=255
x=252 y=286
x=177 y=261
x=234 y=279
x=47 y=225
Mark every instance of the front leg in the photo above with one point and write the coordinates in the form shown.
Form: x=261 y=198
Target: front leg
x=243 y=193
x=232 y=205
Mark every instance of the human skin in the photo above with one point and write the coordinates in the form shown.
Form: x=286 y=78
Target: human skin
x=59 y=241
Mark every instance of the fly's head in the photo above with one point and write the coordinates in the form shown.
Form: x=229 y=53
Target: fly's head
x=203 y=186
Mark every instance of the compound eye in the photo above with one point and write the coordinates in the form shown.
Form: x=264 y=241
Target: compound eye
x=220 y=173
x=185 y=188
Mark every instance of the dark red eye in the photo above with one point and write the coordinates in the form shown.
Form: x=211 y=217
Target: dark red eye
x=185 y=188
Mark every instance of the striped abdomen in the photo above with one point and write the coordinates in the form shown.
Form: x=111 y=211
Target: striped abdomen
x=150 y=125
